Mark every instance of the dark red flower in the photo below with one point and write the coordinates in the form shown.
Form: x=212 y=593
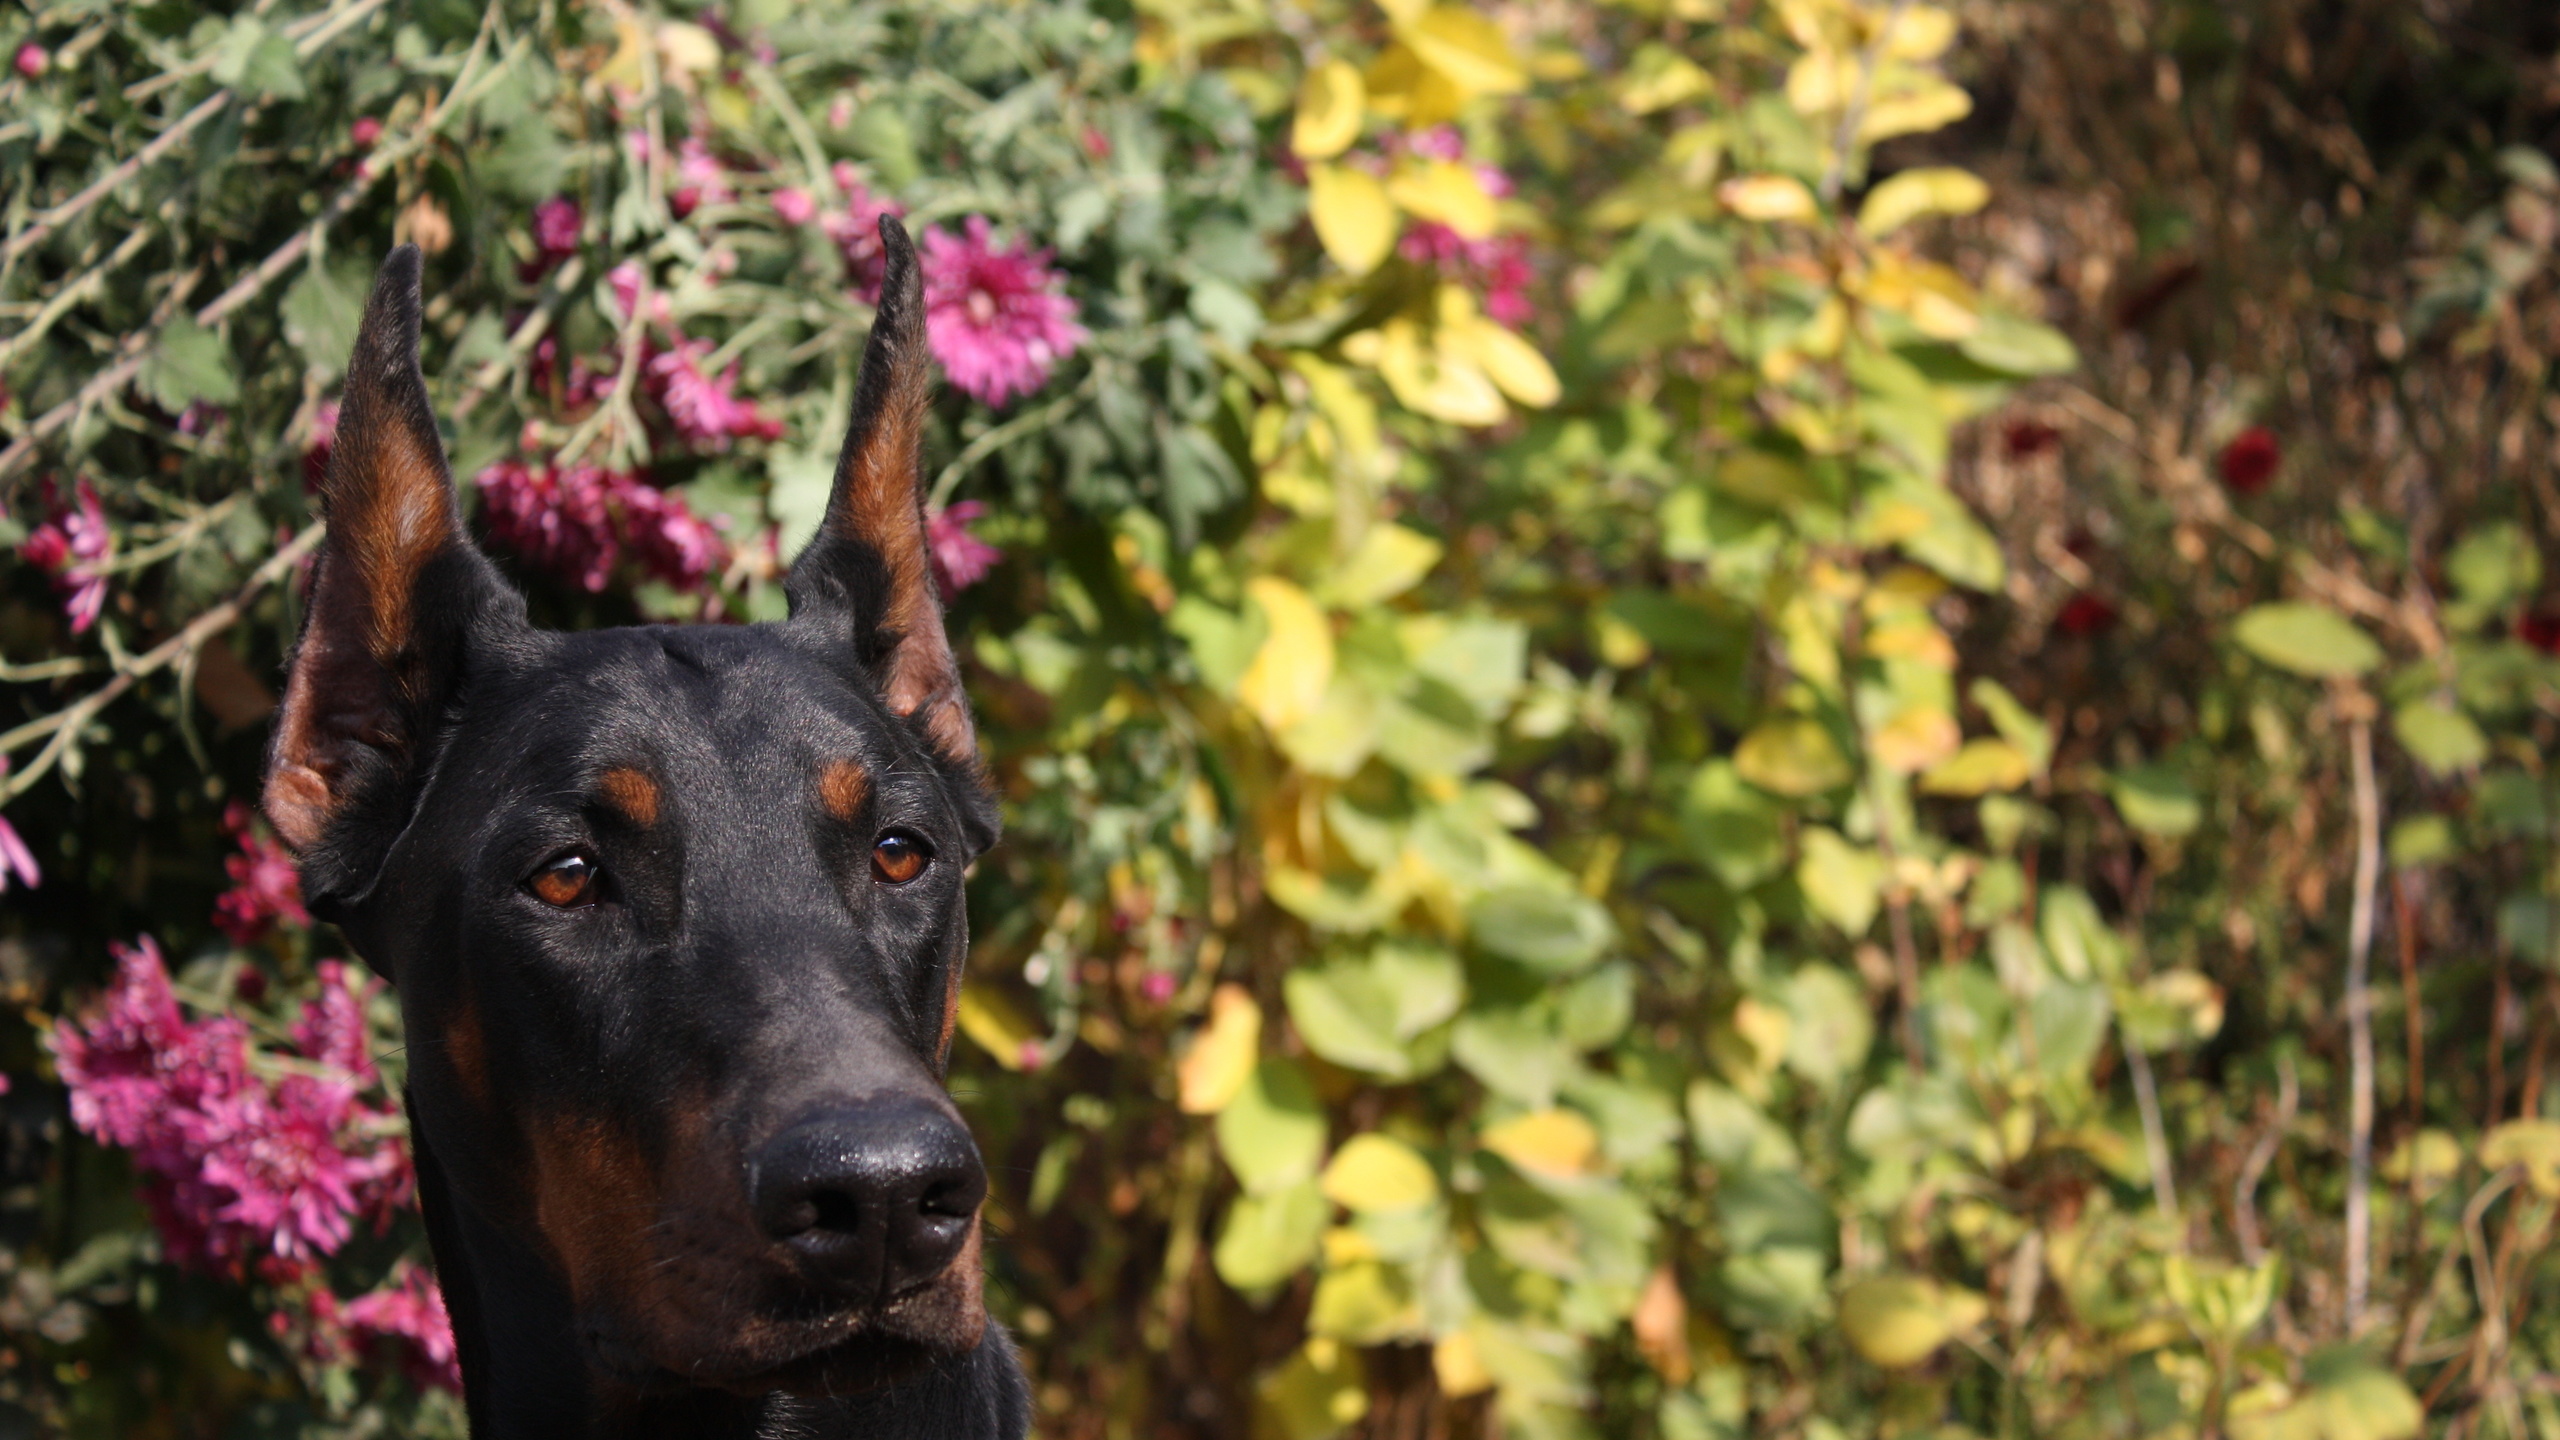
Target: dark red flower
x=365 y=132
x=2541 y=631
x=2085 y=614
x=2026 y=439
x=2249 y=462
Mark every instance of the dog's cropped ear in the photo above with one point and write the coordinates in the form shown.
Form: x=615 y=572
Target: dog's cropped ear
x=396 y=592
x=866 y=580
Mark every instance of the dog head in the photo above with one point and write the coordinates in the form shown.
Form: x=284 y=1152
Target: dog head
x=674 y=913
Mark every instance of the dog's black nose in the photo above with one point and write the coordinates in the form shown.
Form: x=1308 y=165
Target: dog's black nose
x=877 y=1197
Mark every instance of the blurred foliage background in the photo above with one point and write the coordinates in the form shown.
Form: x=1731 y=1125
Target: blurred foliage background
x=1824 y=719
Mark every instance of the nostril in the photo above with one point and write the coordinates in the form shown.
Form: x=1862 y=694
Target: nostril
x=835 y=1210
x=957 y=1199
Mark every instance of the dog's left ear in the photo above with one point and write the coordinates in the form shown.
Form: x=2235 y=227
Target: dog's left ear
x=866 y=580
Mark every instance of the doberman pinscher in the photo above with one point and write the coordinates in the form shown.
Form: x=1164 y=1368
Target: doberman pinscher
x=674 y=916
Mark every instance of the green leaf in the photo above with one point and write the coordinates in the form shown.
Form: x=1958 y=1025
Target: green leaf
x=1733 y=1134
x=1269 y=1237
x=259 y=62
x=2017 y=346
x=1365 y=1302
x=2156 y=800
x=190 y=363
x=2306 y=639
x=1551 y=930
x=1733 y=829
x=1898 y=1321
x=1374 y=1172
x=1366 y=1014
x=1979 y=768
x=321 y=313
x=2492 y=568
x=2423 y=840
x=2529 y=926
x=1842 y=883
x=1320 y=1392
x=1594 y=1008
x=1833 y=1027
x=2439 y=736
x=1272 y=1133
x=2016 y=723
x=1792 y=755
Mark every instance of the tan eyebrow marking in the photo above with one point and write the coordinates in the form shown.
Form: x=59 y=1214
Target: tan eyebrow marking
x=632 y=793
x=842 y=786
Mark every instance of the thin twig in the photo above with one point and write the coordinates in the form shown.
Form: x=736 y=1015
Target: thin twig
x=1005 y=434
x=2244 y=1200
x=61 y=729
x=2359 y=1002
x=2155 y=1133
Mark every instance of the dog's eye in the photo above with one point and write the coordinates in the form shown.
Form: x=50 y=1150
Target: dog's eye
x=898 y=857
x=568 y=882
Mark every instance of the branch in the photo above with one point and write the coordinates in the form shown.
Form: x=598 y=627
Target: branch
x=2359 y=1000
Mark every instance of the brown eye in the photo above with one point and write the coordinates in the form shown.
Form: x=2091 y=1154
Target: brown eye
x=568 y=882
x=897 y=858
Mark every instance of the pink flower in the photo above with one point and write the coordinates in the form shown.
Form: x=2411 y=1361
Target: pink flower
x=237 y=1170
x=1497 y=267
x=705 y=408
x=994 y=318
x=625 y=279
x=15 y=858
x=264 y=885
x=1158 y=987
x=960 y=559
x=32 y=59
x=332 y=1029
x=793 y=205
x=701 y=178
x=577 y=522
x=856 y=231
x=73 y=545
x=409 y=1308
x=365 y=132
x=557 y=223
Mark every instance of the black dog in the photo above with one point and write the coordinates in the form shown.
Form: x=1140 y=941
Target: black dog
x=674 y=915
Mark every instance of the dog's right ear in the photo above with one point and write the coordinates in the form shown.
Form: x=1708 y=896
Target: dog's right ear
x=397 y=593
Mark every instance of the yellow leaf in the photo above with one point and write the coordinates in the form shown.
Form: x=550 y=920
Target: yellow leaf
x=999 y=1029
x=1372 y=1172
x=1901 y=1320
x=1558 y=1144
x=1658 y=78
x=1330 y=102
x=1388 y=561
x=688 y=48
x=1445 y=191
x=1766 y=1029
x=1927 y=190
x=1981 y=767
x=1931 y=105
x=1768 y=197
x=1792 y=755
x=1468 y=50
x=1459 y=1367
x=1923 y=33
x=1515 y=365
x=1352 y=215
x=1222 y=1056
x=1915 y=739
x=2533 y=1144
x=1403 y=89
x=1437 y=380
x=1287 y=678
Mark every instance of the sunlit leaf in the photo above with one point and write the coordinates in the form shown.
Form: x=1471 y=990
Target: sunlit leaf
x=1373 y=1172
x=1272 y=1132
x=1925 y=190
x=1792 y=755
x=1286 y=681
x=1900 y=1320
x=1222 y=1055
x=1352 y=214
x=1558 y=1144
x=1330 y=101
x=1769 y=197
x=2306 y=639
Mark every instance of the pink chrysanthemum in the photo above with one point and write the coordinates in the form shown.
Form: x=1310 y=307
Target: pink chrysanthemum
x=794 y=206
x=856 y=231
x=32 y=59
x=409 y=1308
x=239 y=1171
x=704 y=407
x=577 y=523
x=960 y=559
x=700 y=178
x=264 y=885
x=15 y=858
x=994 y=318
x=73 y=546
x=557 y=224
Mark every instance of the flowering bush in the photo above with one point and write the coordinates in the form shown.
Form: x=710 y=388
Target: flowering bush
x=1672 y=769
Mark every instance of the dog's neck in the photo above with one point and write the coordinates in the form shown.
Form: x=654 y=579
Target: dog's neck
x=526 y=1377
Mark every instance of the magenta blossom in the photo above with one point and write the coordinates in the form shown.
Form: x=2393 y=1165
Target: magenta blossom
x=856 y=231
x=264 y=885
x=794 y=206
x=73 y=546
x=577 y=522
x=238 y=1170
x=15 y=858
x=365 y=132
x=1496 y=267
x=700 y=178
x=409 y=1308
x=32 y=59
x=994 y=318
x=557 y=224
x=706 y=408
x=960 y=559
